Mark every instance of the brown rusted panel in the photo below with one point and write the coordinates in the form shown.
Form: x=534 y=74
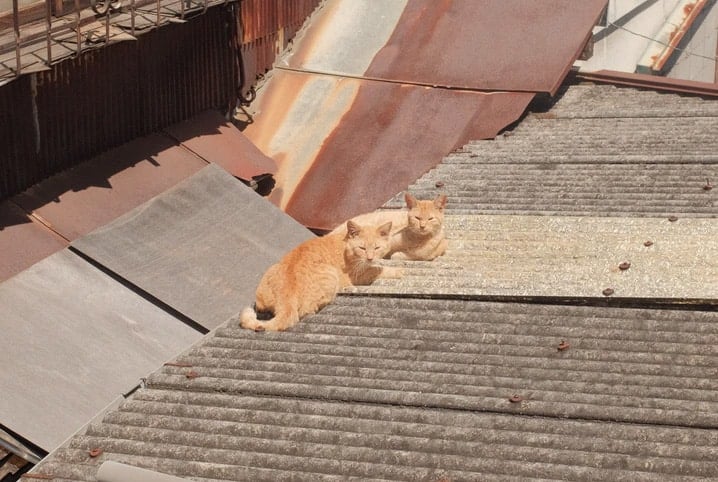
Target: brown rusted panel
x=214 y=139
x=666 y=84
x=388 y=135
x=515 y=45
x=23 y=242
x=488 y=44
x=79 y=200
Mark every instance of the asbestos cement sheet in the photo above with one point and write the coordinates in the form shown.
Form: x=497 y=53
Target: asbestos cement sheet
x=74 y=340
x=646 y=259
x=200 y=247
x=344 y=146
x=514 y=45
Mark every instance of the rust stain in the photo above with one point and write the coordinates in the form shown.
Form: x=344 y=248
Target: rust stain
x=391 y=136
x=690 y=12
x=469 y=44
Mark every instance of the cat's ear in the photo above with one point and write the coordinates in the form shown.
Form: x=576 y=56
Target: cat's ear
x=384 y=230
x=410 y=200
x=440 y=202
x=353 y=229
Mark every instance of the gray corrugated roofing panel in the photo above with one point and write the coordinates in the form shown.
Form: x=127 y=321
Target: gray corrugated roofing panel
x=199 y=247
x=420 y=390
x=74 y=340
x=567 y=257
x=599 y=151
x=627 y=365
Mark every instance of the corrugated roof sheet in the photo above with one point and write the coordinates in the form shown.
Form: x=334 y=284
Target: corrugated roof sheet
x=568 y=258
x=600 y=151
x=392 y=87
x=419 y=389
x=440 y=385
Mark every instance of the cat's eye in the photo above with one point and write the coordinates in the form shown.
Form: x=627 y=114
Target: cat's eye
x=431 y=218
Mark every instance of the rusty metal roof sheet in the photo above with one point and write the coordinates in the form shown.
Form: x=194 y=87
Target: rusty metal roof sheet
x=81 y=199
x=331 y=400
x=199 y=247
x=213 y=138
x=364 y=103
x=23 y=240
x=345 y=146
x=507 y=45
x=75 y=340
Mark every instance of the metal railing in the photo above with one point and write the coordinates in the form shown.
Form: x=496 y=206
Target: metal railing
x=104 y=10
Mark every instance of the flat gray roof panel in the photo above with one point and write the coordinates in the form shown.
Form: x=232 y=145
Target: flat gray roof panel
x=201 y=247
x=73 y=341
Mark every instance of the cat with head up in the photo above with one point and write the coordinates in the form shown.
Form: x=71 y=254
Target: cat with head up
x=310 y=276
x=417 y=233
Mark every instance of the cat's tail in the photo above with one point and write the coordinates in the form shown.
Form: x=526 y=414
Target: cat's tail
x=284 y=318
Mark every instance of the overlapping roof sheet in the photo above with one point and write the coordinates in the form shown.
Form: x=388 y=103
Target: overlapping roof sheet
x=76 y=340
x=365 y=102
x=417 y=379
x=192 y=247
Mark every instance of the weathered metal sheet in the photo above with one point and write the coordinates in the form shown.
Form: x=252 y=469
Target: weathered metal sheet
x=79 y=200
x=23 y=241
x=74 y=340
x=214 y=139
x=486 y=45
x=345 y=146
x=200 y=247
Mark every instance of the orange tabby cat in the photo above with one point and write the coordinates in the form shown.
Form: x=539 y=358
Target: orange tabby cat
x=310 y=276
x=417 y=234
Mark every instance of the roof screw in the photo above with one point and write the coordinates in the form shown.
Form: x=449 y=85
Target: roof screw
x=608 y=292
x=191 y=374
x=95 y=452
x=708 y=186
x=673 y=219
x=473 y=155
x=515 y=398
x=439 y=184
x=563 y=345
x=648 y=243
x=624 y=266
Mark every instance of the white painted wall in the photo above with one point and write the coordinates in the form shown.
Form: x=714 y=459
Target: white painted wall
x=622 y=49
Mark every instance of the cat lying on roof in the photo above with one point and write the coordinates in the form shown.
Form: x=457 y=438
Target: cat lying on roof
x=310 y=276
x=417 y=234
